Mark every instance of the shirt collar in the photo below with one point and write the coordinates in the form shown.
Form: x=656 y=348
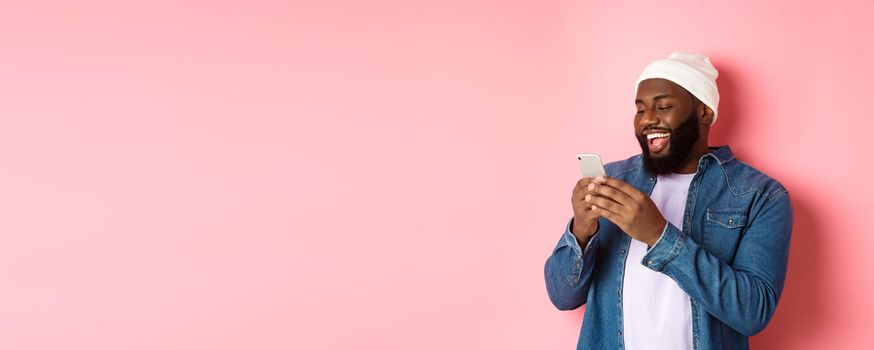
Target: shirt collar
x=722 y=154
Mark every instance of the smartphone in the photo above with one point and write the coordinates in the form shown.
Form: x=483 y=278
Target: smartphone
x=590 y=164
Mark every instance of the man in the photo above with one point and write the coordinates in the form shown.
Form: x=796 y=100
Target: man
x=681 y=247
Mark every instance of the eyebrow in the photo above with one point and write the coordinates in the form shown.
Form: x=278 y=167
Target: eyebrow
x=657 y=97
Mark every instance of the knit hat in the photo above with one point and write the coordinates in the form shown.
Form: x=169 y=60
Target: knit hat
x=693 y=72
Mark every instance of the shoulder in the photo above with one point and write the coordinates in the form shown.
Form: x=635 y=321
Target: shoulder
x=621 y=168
x=743 y=178
x=629 y=170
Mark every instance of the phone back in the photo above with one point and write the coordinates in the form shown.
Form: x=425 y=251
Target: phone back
x=590 y=165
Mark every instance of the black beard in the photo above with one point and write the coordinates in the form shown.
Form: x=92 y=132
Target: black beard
x=683 y=138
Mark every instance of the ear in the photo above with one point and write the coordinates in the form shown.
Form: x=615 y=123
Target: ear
x=707 y=116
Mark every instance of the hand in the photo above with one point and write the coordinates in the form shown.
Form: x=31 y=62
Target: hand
x=585 y=220
x=626 y=207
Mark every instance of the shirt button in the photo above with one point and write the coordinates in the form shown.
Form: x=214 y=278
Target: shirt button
x=577 y=264
x=622 y=251
x=730 y=221
x=619 y=333
x=650 y=263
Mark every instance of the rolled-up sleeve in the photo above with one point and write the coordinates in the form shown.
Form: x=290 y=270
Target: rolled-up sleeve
x=568 y=270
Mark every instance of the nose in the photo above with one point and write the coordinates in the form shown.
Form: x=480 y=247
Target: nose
x=648 y=118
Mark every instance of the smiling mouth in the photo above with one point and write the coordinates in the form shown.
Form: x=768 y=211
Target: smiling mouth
x=658 y=141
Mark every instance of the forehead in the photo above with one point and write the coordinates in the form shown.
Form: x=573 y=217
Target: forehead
x=649 y=89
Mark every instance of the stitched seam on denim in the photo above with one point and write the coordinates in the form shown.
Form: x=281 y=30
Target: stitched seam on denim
x=621 y=287
x=577 y=253
x=734 y=191
x=711 y=223
x=774 y=196
x=712 y=153
x=661 y=237
x=574 y=276
x=676 y=250
x=761 y=189
x=755 y=189
x=691 y=201
x=696 y=343
x=626 y=171
x=567 y=244
x=709 y=214
x=726 y=210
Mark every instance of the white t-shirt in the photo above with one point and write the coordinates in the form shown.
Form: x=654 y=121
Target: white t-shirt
x=656 y=313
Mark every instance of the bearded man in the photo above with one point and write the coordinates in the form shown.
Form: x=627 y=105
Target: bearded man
x=682 y=246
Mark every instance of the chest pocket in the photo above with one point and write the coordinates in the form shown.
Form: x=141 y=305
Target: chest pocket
x=722 y=231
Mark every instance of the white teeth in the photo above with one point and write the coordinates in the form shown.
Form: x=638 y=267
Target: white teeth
x=657 y=135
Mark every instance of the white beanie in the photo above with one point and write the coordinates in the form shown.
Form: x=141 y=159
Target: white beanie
x=693 y=72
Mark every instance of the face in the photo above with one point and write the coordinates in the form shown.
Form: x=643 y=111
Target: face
x=667 y=125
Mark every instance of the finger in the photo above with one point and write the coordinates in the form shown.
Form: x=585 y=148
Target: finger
x=579 y=193
x=579 y=200
x=609 y=215
x=582 y=183
x=609 y=192
x=605 y=203
x=593 y=193
x=619 y=185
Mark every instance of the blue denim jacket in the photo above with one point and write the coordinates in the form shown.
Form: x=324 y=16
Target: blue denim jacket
x=730 y=256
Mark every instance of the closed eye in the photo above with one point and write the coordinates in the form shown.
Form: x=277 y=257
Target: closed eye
x=666 y=107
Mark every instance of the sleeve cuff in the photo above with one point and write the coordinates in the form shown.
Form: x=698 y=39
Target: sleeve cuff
x=660 y=236
x=665 y=249
x=572 y=241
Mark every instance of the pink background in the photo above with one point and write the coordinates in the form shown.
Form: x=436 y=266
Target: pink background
x=388 y=174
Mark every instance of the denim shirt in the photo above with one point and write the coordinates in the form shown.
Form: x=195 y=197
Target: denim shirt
x=730 y=256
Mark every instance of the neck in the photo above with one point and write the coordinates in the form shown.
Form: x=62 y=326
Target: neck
x=690 y=166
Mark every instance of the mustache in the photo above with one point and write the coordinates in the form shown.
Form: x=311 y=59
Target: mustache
x=650 y=128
